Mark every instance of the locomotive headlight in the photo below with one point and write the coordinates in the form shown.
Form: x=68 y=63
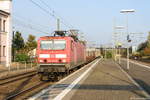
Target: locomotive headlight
x=64 y=61
x=60 y=55
x=41 y=60
x=44 y=56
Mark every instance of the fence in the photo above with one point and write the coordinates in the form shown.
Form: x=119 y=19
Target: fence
x=18 y=66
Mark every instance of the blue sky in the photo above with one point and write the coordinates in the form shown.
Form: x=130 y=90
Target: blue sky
x=93 y=17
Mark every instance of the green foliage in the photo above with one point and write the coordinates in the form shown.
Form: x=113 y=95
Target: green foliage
x=142 y=46
x=148 y=41
x=21 y=57
x=31 y=43
x=18 y=41
x=20 y=49
x=108 y=54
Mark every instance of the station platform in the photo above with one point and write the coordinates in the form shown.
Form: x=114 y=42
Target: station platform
x=104 y=80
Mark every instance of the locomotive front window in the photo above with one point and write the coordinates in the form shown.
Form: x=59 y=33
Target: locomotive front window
x=46 y=45
x=53 y=44
x=59 y=44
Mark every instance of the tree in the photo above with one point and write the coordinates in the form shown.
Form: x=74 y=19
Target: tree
x=148 y=41
x=142 y=46
x=31 y=43
x=18 y=41
x=147 y=51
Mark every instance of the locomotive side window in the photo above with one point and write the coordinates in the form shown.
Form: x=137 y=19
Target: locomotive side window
x=59 y=44
x=46 y=45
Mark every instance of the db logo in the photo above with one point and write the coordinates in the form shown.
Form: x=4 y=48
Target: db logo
x=52 y=56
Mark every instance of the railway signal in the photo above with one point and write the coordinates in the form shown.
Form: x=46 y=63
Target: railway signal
x=128 y=38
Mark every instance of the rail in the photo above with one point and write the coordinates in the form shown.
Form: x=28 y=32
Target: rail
x=17 y=77
x=24 y=91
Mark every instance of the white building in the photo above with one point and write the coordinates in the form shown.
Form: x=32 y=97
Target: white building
x=5 y=32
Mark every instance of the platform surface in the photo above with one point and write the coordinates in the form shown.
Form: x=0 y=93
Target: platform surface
x=106 y=82
x=100 y=80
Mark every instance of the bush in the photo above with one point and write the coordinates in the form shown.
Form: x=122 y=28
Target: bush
x=22 y=57
x=108 y=55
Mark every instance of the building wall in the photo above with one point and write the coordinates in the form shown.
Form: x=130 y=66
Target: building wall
x=5 y=5
x=5 y=36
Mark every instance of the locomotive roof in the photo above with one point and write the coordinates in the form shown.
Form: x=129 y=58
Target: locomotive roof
x=55 y=37
x=61 y=37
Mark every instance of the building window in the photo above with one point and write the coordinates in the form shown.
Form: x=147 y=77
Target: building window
x=4 y=51
x=4 y=25
x=0 y=24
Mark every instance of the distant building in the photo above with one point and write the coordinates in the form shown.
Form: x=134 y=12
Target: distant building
x=5 y=32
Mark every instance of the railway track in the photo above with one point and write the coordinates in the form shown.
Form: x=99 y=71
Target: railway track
x=12 y=85
x=2 y=71
x=31 y=87
x=18 y=77
x=12 y=70
x=6 y=70
x=14 y=95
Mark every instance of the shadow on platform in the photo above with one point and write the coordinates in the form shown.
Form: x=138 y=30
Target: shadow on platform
x=144 y=85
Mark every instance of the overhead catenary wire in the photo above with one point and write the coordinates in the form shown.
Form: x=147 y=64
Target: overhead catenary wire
x=47 y=11
x=57 y=15
x=52 y=13
x=41 y=8
x=27 y=25
x=44 y=28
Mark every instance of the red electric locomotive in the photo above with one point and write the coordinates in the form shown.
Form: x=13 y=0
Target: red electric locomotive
x=58 y=55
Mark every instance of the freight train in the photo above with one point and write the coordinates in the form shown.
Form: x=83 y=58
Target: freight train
x=58 y=55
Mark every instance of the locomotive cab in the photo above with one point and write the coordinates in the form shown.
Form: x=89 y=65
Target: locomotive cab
x=58 y=55
x=53 y=54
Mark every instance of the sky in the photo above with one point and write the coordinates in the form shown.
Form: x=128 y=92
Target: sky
x=95 y=18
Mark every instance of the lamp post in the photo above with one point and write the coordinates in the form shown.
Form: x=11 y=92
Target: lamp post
x=126 y=12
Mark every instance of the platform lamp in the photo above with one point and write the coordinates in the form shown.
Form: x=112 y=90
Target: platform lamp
x=126 y=12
